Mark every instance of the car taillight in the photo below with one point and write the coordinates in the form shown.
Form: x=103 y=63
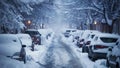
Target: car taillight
x=100 y=46
x=88 y=42
x=81 y=40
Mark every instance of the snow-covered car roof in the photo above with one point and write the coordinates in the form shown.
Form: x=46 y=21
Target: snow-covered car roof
x=9 y=44
x=87 y=32
x=31 y=30
x=44 y=31
x=107 y=35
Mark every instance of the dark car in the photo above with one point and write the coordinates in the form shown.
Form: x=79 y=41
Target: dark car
x=35 y=35
x=113 y=56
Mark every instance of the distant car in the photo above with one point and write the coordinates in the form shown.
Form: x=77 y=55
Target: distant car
x=113 y=56
x=100 y=44
x=35 y=35
x=88 y=40
x=10 y=46
x=69 y=32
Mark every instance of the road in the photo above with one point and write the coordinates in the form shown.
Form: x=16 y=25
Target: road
x=60 y=55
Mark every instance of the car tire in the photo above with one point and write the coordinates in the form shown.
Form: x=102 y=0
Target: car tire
x=83 y=49
x=117 y=65
x=91 y=55
x=107 y=62
x=93 y=58
x=24 y=60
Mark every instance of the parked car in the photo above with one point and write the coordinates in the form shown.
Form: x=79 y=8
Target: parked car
x=35 y=35
x=11 y=46
x=84 y=37
x=88 y=40
x=69 y=32
x=113 y=56
x=100 y=44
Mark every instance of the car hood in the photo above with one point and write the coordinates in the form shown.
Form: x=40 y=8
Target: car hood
x=9 y=50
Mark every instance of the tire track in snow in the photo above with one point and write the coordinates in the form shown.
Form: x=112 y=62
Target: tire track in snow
x=60 y=55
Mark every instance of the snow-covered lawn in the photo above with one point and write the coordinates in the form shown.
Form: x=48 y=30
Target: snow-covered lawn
x=83 y=57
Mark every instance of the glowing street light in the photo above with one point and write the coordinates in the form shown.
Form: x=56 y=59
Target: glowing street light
x=95 y=22
x=29 y=22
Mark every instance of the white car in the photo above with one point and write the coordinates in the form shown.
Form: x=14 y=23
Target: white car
x=69 y=32
x=25 y=39
x=113 y=56
x=10 y=46
x=84 y=36
x=88 y=41
x=99 y=45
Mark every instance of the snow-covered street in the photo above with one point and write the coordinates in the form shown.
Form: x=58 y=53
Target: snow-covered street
x=60 y=55
x=59 y=52
x=60 y=34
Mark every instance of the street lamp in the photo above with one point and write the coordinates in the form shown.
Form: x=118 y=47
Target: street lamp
x=95 y=22
x=29 y=22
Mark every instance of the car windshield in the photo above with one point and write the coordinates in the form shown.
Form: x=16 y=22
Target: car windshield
x=108 y=40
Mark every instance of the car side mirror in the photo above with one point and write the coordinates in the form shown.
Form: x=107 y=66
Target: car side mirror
x=23 y=45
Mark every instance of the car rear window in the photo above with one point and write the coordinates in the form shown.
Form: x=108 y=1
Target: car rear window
x=108 y=40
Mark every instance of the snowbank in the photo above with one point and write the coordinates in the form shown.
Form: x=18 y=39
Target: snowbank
x=10 y=63
x=100 y=64
x=6 y=62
